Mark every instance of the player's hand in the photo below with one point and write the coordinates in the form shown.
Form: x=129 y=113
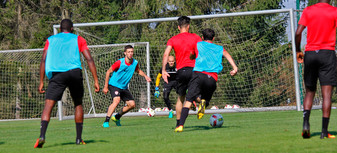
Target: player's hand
x=96 y=87
x=105 y=90
x=299 y=56
x=41 y=88
x=156 y=93
x=148 y=79
x=234 y=71
x=164 y=76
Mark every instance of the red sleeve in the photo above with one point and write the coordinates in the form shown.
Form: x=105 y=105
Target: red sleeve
x=46 y=45
x=116 y=65
x=82 y=44
x=304 y=18
x=170 y=42
x=196 y=51
x=198 y=38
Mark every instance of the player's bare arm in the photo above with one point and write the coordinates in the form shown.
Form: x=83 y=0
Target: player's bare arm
x=298 y=37
x=165 y=59
x=231 y=61
x=92 y=67
x=106 y=82
x=42 y=71
x=141 y=73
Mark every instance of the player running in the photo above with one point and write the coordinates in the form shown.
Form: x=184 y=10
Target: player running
x=183 y=44
x=319 y=59
x=208 y=64
x=122 y=70
x=62 y=65
x=172 y=83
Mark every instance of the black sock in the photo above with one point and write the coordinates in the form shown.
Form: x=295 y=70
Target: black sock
x=325 y=124
x=79 y=127
x=306 y=116
x=177 y=123
x=118 y=116
x=184 y=114
x=43 y=129
x=107 y=119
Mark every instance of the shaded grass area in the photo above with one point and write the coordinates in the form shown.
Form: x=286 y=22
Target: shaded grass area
x=278 y=131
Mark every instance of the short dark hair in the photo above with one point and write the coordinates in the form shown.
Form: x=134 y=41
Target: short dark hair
x=183 y=21
x=66 y=25
x=127 y=47
x=208 y=34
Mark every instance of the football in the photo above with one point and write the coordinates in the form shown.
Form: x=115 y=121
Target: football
x=150 y=113
x=142 y=110
x=236 y=106
x=228 y=106
x=216 y=120
x=214 y=107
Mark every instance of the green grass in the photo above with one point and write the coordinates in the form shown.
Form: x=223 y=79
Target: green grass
x=278 y=131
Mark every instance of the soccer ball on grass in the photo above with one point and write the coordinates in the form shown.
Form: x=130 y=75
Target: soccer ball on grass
x=216 y=120
x=150 y=112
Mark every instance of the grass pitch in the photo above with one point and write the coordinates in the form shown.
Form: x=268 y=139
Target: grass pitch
x=278 y=131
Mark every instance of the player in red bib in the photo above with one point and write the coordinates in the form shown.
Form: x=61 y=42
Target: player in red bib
x=319 y=59
x=183 y=44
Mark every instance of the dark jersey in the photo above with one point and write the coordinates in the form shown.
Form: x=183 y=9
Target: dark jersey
x=172 y=71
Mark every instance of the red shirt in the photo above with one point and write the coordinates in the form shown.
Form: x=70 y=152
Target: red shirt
x=117 y=64
x=184 y=44
x=321 y=20
x=82 y=44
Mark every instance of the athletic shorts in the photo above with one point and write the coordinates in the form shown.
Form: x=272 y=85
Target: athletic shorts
x=124 y=94
x=183 y=77
x=169 y=86
x=202 y=85
x=319 y=64
x=61 y=80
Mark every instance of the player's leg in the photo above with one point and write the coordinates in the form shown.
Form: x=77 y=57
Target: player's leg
x=310 y=80
x=184 y=114
x=75 y=85
x=115 y=96
x=54 y=93
x=130 y=104
x=207 y=86
x=326 y=107
x=166 y=94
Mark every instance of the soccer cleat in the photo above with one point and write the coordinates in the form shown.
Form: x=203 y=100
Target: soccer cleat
x=39 y=143
x=118 y=122
x=328 y=136
x=106 y=124
x=306 y=130
x=170 y=114
x=80 y=142
x=201 y=109
x=179 y=128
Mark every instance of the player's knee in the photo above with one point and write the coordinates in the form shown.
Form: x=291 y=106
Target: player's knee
x=311 y=88
x=131 y=105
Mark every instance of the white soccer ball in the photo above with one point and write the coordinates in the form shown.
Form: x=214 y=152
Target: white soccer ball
x=165 y=109
x=216 y=120
x=236 y=106
x=214 y=107
x=228 y=106
x=158 y=109
x=150 y=113
x=142 y=110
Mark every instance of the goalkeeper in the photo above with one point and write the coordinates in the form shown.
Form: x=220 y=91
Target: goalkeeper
x=172 y=83
x=208 y=64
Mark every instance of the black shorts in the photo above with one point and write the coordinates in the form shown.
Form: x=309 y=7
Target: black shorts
x=184 y=76
x=61 y=80
x=169 y=86
x=201 y=85
x=319 y=64
x=124 y=94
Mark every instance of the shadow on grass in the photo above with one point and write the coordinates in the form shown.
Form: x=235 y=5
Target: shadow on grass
x=74 y=143
x=193 y=128
x=1 y=143
x=319 y=133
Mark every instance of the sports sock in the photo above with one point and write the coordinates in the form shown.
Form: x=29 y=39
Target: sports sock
x=177 y=123
x=118 y=116
x=107 y=119
x=306 y=115
x=325 y=124
x=184 y=114
x=43 y=129
x=79 y=127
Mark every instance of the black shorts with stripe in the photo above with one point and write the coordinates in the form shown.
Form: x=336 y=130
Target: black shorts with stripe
x=183 y=77
x=320 y=64
x=124 y=94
